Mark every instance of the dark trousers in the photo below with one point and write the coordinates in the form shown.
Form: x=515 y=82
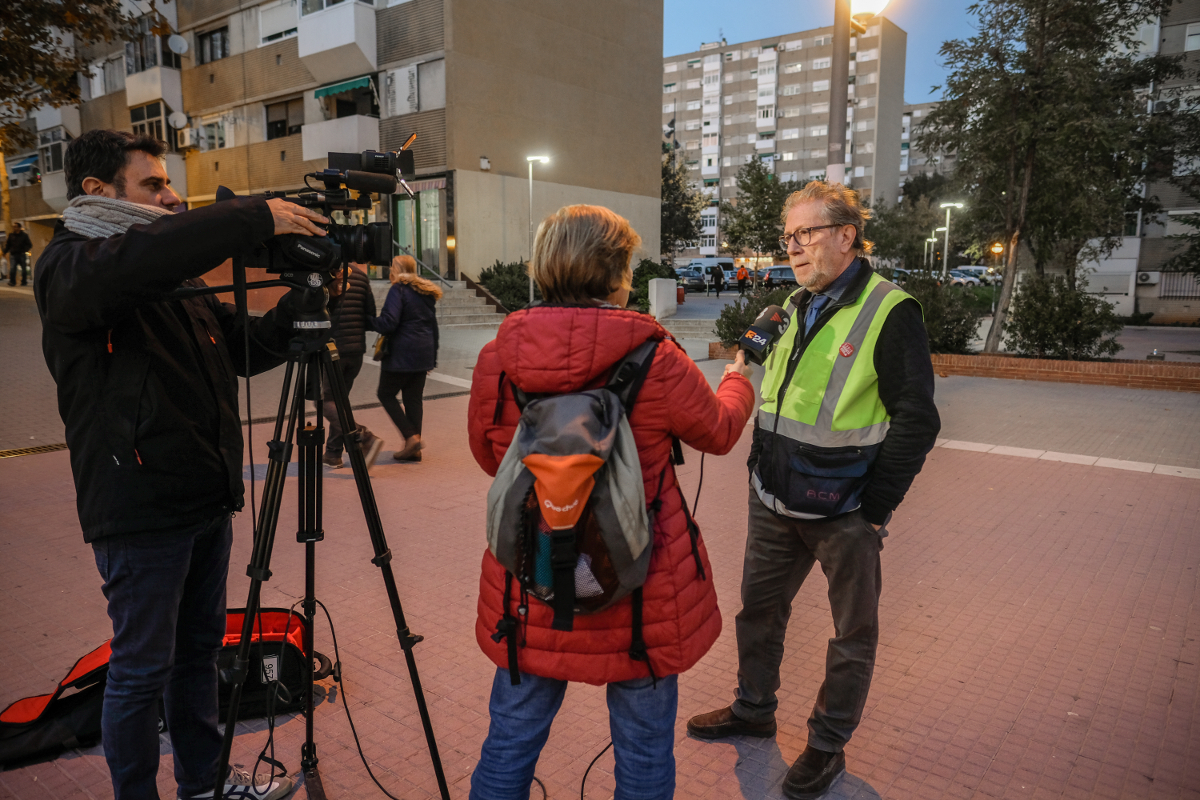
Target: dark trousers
x=350 y=365
x=411 y=386
x=18 y=261
x=166 y=599
x=780 y=552
x=741 y=286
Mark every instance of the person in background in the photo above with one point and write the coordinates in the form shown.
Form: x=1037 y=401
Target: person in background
x=581 y=261
x=351 y=307
x=409 y=317
x=743 y=275
x=17 y=247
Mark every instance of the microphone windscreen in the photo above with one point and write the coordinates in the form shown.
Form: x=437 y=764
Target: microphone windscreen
x=774 y=319
x=224 y=193
x=370 y=182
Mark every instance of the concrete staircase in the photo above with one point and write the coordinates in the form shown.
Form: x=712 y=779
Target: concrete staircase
x=459 y=308
x=690 y=328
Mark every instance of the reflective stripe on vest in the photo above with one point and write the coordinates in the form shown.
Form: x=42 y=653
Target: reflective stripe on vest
x=833 y=397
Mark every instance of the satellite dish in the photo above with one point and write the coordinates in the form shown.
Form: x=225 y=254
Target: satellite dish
x=177 y=43
x=178 y=119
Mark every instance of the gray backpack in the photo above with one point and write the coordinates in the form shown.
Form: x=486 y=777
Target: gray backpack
x=567 y=515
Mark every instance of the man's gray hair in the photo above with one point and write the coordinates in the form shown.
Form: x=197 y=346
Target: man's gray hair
x=839 y=206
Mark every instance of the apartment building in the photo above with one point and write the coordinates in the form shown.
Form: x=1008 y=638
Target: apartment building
x=913 y=162
x=252 y=95
x=769 y=99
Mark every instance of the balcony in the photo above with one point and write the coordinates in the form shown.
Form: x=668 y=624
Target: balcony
x=54 y=190
x=338 y=42
x=66 y=117
x=764 y=146
x=155 y=83
x=343 y=135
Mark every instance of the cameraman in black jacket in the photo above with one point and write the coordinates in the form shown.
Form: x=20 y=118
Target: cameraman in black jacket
x=147 y=389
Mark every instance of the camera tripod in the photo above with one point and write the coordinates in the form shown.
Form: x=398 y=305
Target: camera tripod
x=310 y=357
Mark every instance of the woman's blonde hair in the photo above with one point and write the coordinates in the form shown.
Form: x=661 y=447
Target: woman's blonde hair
x=404 y=270
x=839 y=206
x=581 y=254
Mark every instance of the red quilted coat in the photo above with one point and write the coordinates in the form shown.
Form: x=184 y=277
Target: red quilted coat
x=553 y=350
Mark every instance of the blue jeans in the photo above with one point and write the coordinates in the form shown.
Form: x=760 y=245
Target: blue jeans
x=166 y=599
x=640 y=717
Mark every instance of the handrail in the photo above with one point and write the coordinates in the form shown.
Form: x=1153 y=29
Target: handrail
x=424 y=266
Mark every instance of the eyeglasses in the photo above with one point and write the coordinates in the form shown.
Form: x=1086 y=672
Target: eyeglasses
x=802 y=236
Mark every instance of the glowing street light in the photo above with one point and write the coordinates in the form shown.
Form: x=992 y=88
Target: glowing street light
x=531 y=159
x=946 y=250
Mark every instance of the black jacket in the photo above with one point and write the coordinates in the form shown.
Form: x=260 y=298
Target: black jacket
x=906 y=389
x=351 y=312
x=409 y=316
x=18 y=243
x=147 y=387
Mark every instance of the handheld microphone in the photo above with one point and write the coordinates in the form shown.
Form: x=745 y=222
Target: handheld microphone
x=759 y=339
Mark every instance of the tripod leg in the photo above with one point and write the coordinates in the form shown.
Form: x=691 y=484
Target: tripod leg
x=279 y=454
x=309 y=494
x=383 y=555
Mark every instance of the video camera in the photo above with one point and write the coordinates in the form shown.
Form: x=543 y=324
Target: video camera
x=365 y=173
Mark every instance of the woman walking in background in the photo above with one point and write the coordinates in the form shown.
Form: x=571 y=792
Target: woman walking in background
x=410 y=320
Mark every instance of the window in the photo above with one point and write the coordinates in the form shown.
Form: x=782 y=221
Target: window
x=789 y=176
x=148 y=120
x=766 y=112
x=212 y=46
x=692 y=105
x=712 y=78
x=693 y=84
x=790 y=133
x=212 y=136
x=867 y=55
x=1191 y=37
x=732 y=55
x=708 y=161
x=820 y=86
x=693 y=63
x=791 y=89
x=821 y=63
x=866 y=147
x=795 y=44
x=766 y=69
x=670 y=87
x=728 y=99
x=668 y=108
x=670 y=67
x=730 y=181
x=820 y=41
x=708 y=221
x=711 y=104
x=752 y=74
x=277 y=20
x=710 y=140
x=819 y=130
x=691 y=144
x=794 y=111
x=727 y=161
x=708 y=241
x=819 y=108
x=285 y=118
x=766 y=91
x=692 y=125
x=787 y=156
x=818 y=153
x=148 y=50
x=788 y=69
x=50 y=149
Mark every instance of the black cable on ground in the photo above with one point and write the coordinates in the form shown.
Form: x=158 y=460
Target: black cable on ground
x=583 y=784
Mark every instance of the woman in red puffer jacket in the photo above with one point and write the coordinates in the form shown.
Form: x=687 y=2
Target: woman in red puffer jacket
x=581 y=262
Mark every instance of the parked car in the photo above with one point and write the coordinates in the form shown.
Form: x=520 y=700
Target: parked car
x=776 y=277
x=986 y=275
x=960 y=278
x=691 y=279
x=899 y=275
x=710 y=266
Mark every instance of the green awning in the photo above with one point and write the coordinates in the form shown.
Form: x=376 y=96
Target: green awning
x=344 y=86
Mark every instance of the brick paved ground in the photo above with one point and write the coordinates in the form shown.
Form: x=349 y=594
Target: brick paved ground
x=1039 y=617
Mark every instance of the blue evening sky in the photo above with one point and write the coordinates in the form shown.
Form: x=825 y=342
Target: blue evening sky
x=687 y=23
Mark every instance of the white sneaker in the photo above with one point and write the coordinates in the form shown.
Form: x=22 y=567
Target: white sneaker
x=241 y=785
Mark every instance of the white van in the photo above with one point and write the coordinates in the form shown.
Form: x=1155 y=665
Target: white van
x=708 y=266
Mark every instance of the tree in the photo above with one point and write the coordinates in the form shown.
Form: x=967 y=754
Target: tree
x=1047 y=109
x=681 y=205
x=899 y=231
x=42 y=57
x=753 y=221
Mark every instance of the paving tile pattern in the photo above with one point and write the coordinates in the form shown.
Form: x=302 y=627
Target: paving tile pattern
x=1039 y=621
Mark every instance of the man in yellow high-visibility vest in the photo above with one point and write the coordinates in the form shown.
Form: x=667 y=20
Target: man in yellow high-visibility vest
x=846 y=421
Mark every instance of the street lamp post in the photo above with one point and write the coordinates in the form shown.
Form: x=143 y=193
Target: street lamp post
x=531 y=159
x=933 y=247
x=946 y=248
x=845 y=18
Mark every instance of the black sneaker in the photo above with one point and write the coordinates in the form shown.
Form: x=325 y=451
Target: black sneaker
x=813 y=774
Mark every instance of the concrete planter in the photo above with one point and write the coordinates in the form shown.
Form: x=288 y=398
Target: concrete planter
x=1162 y=375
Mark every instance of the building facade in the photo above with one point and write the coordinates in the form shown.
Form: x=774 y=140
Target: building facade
x=253 y=95
x=914 y=162
x=768 y=99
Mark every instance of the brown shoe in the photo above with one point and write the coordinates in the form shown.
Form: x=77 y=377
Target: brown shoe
x=722 y=723
x=813 y=774
x=411 y=452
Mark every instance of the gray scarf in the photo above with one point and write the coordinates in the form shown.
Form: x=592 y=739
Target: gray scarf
x=100 y=217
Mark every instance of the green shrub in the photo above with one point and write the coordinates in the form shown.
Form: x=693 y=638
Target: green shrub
x=509 y=283
x=1050 y=320
x=646 y=270
x=951 y=314
x=737 y=316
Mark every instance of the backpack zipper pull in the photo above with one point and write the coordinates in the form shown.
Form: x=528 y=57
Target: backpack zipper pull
x=110 y=340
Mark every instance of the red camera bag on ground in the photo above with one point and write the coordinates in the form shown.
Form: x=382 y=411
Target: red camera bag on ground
x=39 y=728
